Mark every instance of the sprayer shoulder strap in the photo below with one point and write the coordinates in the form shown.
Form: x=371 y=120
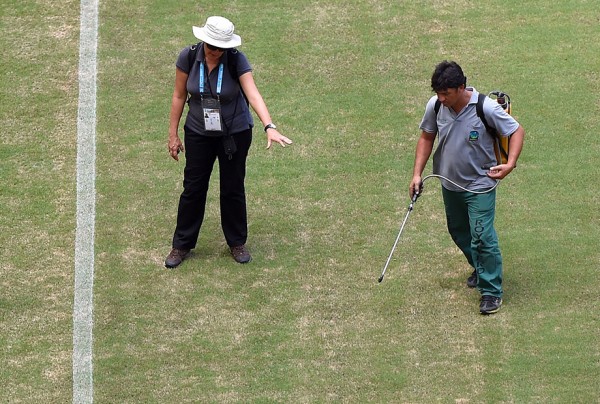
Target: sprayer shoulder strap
x=481 y=115
x=478 y=109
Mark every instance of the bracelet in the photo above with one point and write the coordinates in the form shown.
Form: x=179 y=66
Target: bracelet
x=270 y=126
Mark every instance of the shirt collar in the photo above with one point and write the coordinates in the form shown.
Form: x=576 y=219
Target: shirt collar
x=474 y=95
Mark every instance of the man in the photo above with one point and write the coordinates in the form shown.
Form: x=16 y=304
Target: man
x=465 y=155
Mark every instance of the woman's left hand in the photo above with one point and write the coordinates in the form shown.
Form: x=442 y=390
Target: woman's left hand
x=273 y=135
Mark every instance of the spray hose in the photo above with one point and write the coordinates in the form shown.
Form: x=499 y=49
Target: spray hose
x=456 y=185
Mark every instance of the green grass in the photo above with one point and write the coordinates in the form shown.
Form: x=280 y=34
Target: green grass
x=306 y=321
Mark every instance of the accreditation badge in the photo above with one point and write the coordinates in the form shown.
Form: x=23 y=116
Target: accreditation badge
x=211 y=109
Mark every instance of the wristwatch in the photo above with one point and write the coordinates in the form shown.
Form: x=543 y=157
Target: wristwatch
x=270 y=126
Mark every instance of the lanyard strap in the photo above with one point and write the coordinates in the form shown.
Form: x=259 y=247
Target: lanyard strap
x=201 y=79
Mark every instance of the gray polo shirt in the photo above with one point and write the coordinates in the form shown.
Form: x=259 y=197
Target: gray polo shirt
x=234 y=109
x=465 y=150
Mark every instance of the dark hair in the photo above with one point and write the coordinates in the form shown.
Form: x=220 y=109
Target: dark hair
x=447 y=75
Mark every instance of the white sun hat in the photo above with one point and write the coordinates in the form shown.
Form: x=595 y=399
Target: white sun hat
x=218 y=31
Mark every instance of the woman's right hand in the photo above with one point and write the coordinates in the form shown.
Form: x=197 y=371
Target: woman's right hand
x=175 y=146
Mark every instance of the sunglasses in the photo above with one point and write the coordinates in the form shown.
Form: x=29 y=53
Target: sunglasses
x=215 y=48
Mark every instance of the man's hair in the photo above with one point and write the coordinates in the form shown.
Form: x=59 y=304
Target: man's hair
x=447 y=75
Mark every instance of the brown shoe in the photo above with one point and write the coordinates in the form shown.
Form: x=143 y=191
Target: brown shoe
x=176 y=257
x=240 y=254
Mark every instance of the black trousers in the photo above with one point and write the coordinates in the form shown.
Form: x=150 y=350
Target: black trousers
x=200 y=155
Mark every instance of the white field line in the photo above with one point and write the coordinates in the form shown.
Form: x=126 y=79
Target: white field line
x=83 y=386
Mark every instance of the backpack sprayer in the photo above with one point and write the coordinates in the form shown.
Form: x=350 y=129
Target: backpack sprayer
x=501 y=145
x=501 y=154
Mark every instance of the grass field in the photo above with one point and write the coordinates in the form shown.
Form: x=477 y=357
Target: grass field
x=306 y=320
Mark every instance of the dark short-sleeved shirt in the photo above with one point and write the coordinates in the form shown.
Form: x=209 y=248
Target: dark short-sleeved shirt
x=465 y=150
x=236 y=116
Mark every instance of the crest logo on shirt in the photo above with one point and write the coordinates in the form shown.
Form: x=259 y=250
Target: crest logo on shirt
x=473 y=136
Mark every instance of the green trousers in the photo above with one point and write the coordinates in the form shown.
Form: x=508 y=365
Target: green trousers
x=470 y=220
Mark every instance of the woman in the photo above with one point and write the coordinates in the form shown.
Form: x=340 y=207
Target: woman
x=216 y=81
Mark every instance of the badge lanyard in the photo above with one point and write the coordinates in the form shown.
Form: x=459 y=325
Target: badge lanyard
x=210 y=106
x=201 y=79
